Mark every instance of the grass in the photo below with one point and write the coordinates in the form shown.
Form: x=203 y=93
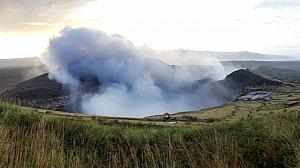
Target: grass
x=33 y=139
x=237 y=110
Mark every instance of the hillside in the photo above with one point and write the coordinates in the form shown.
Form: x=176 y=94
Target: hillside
x=240 y=82
x=19 y=62
x=13 y=71
x=246 y=77
x=279 y=73
x=40 y=92
x=11 y=76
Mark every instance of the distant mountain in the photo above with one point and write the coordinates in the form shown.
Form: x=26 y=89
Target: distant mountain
x=246 y=56
x=288 y=65
x=237 y=56
x=20 y=62
x=192 y=57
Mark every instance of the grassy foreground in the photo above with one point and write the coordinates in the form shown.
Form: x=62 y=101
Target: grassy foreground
x=31 y=139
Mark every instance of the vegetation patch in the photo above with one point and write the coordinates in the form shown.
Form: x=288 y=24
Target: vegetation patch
x=32 y=139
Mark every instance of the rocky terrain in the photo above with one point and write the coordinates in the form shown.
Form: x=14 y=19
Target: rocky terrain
x=39 y=92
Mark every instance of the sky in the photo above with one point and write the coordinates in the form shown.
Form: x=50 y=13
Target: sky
x=264 y=26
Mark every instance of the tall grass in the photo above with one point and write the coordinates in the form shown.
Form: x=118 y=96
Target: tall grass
x=29 y=139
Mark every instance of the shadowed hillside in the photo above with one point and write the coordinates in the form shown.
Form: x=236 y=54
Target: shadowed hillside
x=241 y=82
x=39 y=92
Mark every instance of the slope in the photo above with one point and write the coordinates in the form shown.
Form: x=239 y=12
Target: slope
x=39 y=92
x=279 y=73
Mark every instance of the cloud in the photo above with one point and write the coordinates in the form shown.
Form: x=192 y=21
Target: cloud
x=279 y=4
x=35 y=15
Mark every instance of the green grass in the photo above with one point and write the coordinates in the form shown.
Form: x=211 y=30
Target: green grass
x=33 y=139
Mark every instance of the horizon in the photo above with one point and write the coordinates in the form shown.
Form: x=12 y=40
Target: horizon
x=283 y=57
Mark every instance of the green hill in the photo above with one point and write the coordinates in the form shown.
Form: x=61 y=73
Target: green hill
x=279 y=73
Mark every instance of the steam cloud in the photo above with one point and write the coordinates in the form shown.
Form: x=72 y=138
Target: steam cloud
x=112 y=77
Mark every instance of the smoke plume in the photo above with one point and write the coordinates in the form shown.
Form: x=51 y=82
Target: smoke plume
x=112 y=77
